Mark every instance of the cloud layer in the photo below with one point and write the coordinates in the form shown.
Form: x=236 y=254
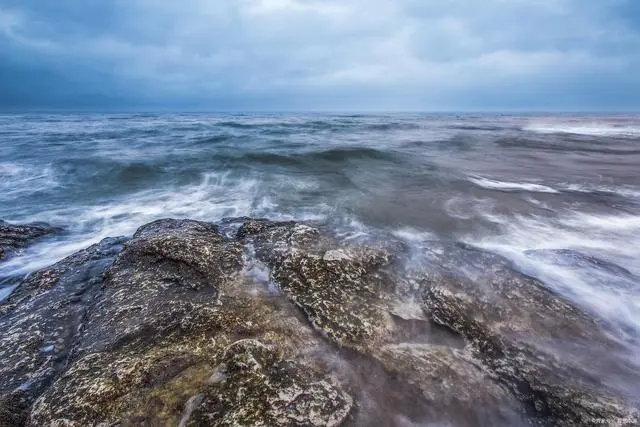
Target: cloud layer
x=320 y=54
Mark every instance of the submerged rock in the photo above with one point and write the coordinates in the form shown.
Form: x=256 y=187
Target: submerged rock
x=549 y=353
x=14 y=237
x=447 y=378
x=599 y=273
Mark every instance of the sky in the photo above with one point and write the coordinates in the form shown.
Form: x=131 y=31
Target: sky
x=325 y=55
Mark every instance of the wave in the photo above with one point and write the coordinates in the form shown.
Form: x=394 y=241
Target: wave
x=332 y=155
x=214 y=139
x=488 y=128
x=271 y=124
x=393 y=126
x=18 y=180
x=623 y=191
x=349 y=153
x=565 y=145
x=493 y=184
x=216 y=196
x=563 y=187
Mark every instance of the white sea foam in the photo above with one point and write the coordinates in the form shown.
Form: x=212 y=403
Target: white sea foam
x=609 y=237
x=218 y=195
x=494 y=184
x=589 y=129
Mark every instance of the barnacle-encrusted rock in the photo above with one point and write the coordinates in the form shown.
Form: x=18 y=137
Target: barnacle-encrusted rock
x=165 y=281
x=153 y=325
x=14 y=408
x=254 y=386
x=547 y=351
x=14 y=237
x=39 y=322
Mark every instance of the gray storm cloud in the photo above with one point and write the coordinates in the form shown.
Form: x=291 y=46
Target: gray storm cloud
x=312 y=54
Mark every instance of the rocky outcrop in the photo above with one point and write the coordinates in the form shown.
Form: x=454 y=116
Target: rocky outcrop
x=170 y=309
x=254 y=322
x=348 y=293
x=340 y=289
x=548 y=352
x=39 y=322
x=14 y=237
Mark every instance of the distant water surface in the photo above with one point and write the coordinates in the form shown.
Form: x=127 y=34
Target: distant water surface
x=559 y=195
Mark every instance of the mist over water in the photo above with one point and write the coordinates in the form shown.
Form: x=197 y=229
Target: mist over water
x=558 y=195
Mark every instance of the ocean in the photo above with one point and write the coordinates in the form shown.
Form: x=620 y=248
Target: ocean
x=558 y=195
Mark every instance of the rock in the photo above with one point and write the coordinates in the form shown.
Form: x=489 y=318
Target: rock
x=255 y=386
x=76 y=273
x=170 y=273
x=549 y=353
x=254 y=322
x=40 y=319
x=348 y=294
x=339 y=290
x=170 y=306
x=13 y=409
x=15 y=237
x=447 y=378
x=148 y=340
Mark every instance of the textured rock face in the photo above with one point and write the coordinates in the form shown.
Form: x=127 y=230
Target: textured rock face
x=39 y=322
x=450 y=379
x=14 y=237
x=170 y=306
x=254 y=386
x=348 y=295
x=339 y=289
x=253 y=322
x=548 y=352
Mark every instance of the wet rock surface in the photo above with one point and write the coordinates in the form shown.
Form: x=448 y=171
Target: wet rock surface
x=349 y=294
x=39 y=321
x=255 y=386
x=14 y=237
x=549 y=353
x=255 y=322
